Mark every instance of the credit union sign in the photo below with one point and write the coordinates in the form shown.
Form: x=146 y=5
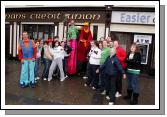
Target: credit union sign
x=98 y=17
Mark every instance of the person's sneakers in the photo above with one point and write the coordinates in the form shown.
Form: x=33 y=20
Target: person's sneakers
x=44 y=78
x=118 y=94
x=23 y=85
x=85 y=77
x=111 y=103
x=85 y=85
x=32 y=85
x=49 y=79
x=62 y=79
x=37 y=78
x=66 y=76
x=93 y=88
x=104 y=92
x=107 y=97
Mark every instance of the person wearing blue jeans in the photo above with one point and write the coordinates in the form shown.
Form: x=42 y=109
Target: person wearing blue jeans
x=38 y=59
x=47 y=60
x=27 y=55
x=133 y=61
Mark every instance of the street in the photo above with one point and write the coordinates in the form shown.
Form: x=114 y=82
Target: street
x=69 y=92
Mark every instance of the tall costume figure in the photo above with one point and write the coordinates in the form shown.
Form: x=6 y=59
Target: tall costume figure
x=84 y=42
x=83 y=46
x=72 y=38
x=27 y=54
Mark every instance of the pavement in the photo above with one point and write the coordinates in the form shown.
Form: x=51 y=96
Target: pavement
x=69 y=92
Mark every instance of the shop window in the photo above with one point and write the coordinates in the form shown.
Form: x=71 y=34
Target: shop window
x=36 y=31
x=95 y=30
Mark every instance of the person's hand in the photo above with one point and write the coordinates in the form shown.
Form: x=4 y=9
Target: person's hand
x=124 y=76
x=97 y=71
x=22 y=61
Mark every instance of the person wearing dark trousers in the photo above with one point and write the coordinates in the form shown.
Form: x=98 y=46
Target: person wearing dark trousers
x=133 y=61
x=110 y=68
x=121 y=55
x=94 y=63
x=67 y=50
x=47 y=60
x=104 y=54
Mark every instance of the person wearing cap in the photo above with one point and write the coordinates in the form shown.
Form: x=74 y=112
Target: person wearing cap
x=83 y=46
x=27 y=54
x=110 y=68
x=72 y=38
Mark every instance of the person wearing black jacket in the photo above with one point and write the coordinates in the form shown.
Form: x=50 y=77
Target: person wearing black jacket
x=110 y=68
x=133 y=61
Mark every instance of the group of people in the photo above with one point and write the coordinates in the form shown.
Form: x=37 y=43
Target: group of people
x=107 y=63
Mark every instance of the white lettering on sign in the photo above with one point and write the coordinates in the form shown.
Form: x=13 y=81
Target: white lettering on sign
x=133 y=17
x=143 y=39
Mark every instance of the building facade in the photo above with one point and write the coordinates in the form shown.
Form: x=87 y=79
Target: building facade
x=128 y=24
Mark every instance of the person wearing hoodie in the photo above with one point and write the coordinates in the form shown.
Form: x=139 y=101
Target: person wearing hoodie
x=110 y=68
x=133 y=61
x=94 y=64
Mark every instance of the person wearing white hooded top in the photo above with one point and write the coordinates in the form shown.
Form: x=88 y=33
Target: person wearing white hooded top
x=58 y=55
x=94 y=64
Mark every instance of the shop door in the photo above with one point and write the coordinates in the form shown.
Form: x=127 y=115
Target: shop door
x=7 y=40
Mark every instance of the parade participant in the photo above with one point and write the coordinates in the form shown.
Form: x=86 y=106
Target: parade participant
x=105 y=53
x=38 y=58
x=121 y=54
x=67 y=51
x=57 y=61
x=110 y=69
x=72 y=38
x=100 y=45
x=133 y=61
x=83 y=47
x=27 y=54
x=47 y=59
x=94 y=63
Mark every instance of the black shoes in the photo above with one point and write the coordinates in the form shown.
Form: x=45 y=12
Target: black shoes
x=129 y=94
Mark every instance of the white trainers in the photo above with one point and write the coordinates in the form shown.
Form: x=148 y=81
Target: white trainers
x=45 y=79
x=85 y=85
x=62 y=79
x=107 y=97
x=66 y=76
x=49 y=79
x=118 y=94
x=85 y=77
x=37 y=78
x=93 y=88
x=111 y=103
x=104 y=92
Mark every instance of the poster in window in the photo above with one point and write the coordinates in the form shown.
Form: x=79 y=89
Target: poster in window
x=40 y=35
x=144 y=53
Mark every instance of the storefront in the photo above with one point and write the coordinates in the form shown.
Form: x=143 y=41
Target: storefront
x=44 y=23
x=136 y=25
x=128 y=24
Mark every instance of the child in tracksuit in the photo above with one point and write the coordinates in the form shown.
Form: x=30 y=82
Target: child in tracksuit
x=27 y=55
x=110 y=68
x=57 y=53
